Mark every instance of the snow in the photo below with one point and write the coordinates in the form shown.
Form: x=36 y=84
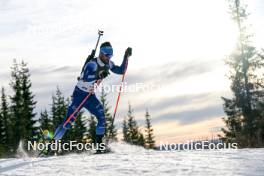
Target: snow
x=133 y=160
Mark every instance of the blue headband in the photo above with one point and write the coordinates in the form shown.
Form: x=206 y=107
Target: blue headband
x=107 y=51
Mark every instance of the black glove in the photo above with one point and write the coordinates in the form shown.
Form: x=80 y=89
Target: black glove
x=128 y=52
x=103 y=74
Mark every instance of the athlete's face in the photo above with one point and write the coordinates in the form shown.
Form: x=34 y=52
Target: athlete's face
x=104 y=58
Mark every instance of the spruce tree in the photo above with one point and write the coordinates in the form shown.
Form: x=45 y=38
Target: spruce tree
x=133 y=132
x=79 y=129
x=141 y=140
x=149 y=138
x=2 y=135
x=58 y=108
x=244 y=119
x=28 y=103
x=45 y=121
x=110 y=130
x=4 y=122
x=2 y=130
x=16 y=125
x=125 y=130
x=92 y=129
x=22 y=105
x=260 y=131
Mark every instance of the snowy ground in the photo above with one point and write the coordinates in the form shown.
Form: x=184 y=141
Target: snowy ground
x=132 y=160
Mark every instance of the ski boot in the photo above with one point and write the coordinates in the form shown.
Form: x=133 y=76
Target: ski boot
x=101 y=146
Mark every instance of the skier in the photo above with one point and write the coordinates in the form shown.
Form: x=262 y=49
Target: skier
x=93 y=70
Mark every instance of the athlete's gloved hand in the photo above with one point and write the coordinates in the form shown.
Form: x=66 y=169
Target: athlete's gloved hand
x=128 y=53
x=103 y=74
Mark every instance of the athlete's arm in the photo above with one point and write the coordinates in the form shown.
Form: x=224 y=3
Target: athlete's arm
x=118 y=69
x=121 y=69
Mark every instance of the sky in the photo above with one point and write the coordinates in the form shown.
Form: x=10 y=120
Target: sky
x=179 y=48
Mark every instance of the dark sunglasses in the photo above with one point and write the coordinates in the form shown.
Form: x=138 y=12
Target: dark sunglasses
x=108 y=55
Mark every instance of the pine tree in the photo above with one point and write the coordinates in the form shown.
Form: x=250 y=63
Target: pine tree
x=4 y=123
x=2 y=130
x=260 y=131
x=141 y=140
x=110 y=130
x=243 y=115
x=28 y=103
x=58 y=108
x=22 y=105
x=79 y=129
x=45 y=121
x=133 y=132
x=2 y=135
x=16 y=108
x=149 y=139
x=125 y=130
x=92 y=129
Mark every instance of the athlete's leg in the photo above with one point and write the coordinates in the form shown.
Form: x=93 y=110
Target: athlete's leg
x=96 y=108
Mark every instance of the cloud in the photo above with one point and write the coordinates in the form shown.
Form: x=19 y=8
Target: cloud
x=4 y=75
x=187 y=117
x=175 y=101
x=192 y=116
x=172 y=72
x=183 y=70
x=182 y=133
x=187 y=109
x=39 y=71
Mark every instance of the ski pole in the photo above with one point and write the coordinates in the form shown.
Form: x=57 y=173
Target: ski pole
x=117 y=101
